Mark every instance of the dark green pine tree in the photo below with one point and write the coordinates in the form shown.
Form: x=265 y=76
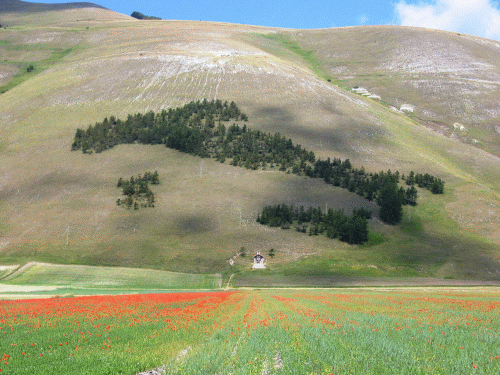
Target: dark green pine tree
x=437 y=186
x=354 y=230
x=410 y=180
x=391 y=203
x=358 y=229
x=411 y=196
x=154 y=178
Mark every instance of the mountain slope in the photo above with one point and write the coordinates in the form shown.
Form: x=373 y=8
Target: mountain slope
x=450 y=79
x=17 y=12
x=59 y=206
x=28 y=7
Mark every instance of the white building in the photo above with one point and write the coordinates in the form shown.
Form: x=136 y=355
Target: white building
x=258 y=261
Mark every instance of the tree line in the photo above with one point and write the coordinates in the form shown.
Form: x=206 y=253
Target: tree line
x=137 y=192
x=199 y=128
x=333 y=223
x=141 y=16
x=187 y=128
x=426 y=181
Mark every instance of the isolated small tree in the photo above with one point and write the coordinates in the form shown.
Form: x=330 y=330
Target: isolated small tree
x=30 y=68
x=243 y=251
x=271 y=252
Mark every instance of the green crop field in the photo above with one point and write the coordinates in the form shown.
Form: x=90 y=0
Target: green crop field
x=88 y=277
x=340 y=331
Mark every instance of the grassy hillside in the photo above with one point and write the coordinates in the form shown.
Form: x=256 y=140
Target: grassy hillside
x=19 y=6
x=59 y=206
x=450 y=79
x=24 y=13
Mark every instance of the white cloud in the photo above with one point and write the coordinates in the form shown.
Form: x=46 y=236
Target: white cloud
x=474 y=17
x=362 y=20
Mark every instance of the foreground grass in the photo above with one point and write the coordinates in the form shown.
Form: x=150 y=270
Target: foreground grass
x=417 y=331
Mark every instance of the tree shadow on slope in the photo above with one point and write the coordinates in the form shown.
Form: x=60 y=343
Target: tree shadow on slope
x=192 y=224
x=342 y=135
x=444 y=254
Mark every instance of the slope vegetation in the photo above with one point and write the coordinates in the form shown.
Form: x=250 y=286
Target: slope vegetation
x=60 y=206
x=451 y=80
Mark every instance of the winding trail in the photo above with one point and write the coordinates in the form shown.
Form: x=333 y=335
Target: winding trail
x=228 y=282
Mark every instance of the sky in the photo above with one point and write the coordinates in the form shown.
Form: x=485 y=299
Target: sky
x=474 y=17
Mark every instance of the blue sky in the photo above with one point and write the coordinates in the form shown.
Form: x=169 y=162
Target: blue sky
x=474 y=17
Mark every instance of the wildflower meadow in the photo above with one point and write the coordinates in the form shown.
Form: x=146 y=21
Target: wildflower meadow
x=289 y=331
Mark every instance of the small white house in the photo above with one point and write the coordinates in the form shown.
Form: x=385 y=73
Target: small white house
x=259 y=261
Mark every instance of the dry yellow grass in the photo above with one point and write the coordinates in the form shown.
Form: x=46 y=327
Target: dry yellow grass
x=448 y=77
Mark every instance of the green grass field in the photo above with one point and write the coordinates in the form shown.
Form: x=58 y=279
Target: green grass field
x=347 y=331
x=88 y=277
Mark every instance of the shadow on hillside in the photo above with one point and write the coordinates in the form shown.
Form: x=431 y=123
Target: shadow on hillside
x=195 y=224
x=341 y=137
x=448 y=256
x=286 y=123
x=278 y=114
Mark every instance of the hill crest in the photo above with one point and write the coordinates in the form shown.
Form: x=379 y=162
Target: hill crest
x=25 y=6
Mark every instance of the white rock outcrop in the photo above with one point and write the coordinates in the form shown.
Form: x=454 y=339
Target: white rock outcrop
x=406 y=108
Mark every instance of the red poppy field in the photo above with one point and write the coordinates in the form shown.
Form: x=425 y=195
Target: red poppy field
x=356 y=331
